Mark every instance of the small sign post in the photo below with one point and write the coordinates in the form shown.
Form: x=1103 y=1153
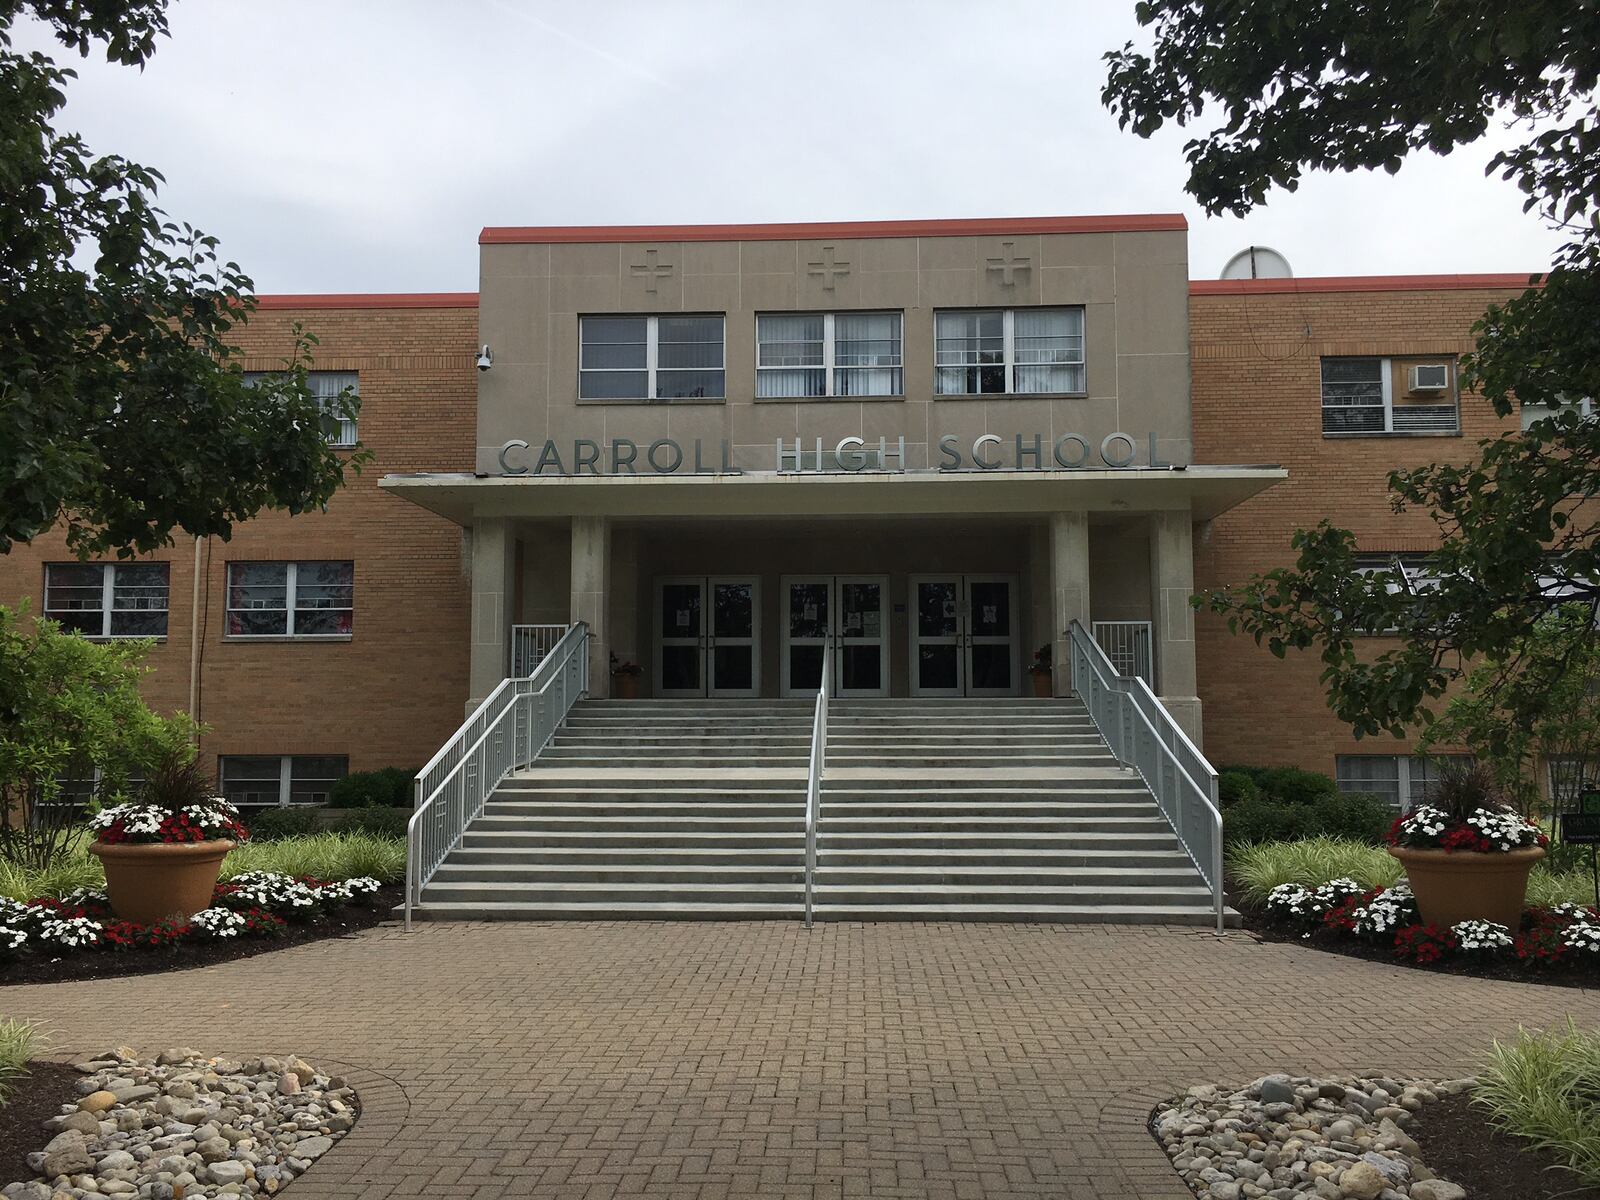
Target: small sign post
x=1582 y=828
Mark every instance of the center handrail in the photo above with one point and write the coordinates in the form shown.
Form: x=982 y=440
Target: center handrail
x=505 y=733
x=819 y=751
x=1143 y=734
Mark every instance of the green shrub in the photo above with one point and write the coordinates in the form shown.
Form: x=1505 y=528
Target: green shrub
x=330 y=855
x=381 y=822
x=1354 y=816
x=20 y=1041
x=1291 y=785
x=391 y=787
x=1541 y=1086
x=1234 y=786
x=1259 y=868
x=275 y=824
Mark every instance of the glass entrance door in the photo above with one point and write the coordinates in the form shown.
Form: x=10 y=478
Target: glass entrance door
x=964 y=635
x=851 y=611
x=708 y=639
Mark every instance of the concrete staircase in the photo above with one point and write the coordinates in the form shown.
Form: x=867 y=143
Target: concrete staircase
x=932 y=810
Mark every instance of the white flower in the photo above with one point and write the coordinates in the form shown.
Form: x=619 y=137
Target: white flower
x=340 y=891
x=270 y=890
x=73 y=933
x=1582 y=936
x=12 y=937
x=1385 y=912
x=218 y=922
x=78 y=897
x=1295 y=900
x=1482 y=935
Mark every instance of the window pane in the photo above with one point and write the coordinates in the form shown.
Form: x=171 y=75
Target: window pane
x=689 y=342
x=251 y=780
x=613 y=385
x=1352 y=420
x=329 y=388
x=324 y=595
x=73 y=596
x=139 y=600
x=866 y=354
x=789 y=340
x=1352 y=395
x=310 y=777
x=808 y=381
x=1048 y=349
x=1377 y=774
x=612 y=341
x=258 y=598
x=688 y=385
x=969 y=350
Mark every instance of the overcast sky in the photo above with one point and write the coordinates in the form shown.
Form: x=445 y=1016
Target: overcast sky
x=360 y=145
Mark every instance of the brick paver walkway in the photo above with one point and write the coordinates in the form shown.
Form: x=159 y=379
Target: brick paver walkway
x=710 y=1060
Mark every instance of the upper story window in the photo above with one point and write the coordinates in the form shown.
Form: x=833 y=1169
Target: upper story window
x=108 y=599
x=1570 y=776
x=1588 y=410
x=328 y=386
x=1389 y=396
x=291 y=599
x=1021 y=351
x=801 y=355
x=650 y=358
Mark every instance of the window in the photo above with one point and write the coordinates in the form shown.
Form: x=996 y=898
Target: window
x=328 y=387
x=828 y=354
x=1023 y=351
x=650 y=358
x=108 y=599
x=258 y=781
x=1405 y=781
x=295 y=599
x=1570 y=777
x=1587 y=409
x=79 y=787
x=1389 y=396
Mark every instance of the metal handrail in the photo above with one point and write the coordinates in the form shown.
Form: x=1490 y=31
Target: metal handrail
x=505 y=733
x=814 y=772
x=1144 y=735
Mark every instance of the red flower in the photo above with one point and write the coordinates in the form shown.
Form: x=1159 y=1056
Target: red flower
x=1424 y=943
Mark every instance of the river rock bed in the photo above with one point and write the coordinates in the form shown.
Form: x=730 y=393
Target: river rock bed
x=182 y=1126
x=1291 y=1136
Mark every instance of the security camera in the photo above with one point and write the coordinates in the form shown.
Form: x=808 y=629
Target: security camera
x=485 y=359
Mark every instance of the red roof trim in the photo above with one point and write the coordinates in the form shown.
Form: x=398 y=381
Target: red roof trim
x=811 y=230
x=373 y=300
x=1358 y=283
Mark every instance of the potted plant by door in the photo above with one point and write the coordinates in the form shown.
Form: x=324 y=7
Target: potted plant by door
x=1042 y=677
x=163 y=851
x=625 y=679
x=1467 y=853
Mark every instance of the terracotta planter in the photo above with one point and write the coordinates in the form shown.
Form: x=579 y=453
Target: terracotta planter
x=624 y=687
x=149 y=883
x=1042 y=681
x=1462 y=885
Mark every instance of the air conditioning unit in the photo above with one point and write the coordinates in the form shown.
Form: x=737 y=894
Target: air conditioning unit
x=1430 y=377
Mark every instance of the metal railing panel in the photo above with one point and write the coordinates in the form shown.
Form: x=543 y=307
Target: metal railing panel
x=1143 y=735
x=506 y=732
x=1130 y=647
x=814 y=774
x=530 y=644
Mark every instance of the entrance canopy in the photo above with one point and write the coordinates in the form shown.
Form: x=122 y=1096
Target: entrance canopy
x=1203 y=490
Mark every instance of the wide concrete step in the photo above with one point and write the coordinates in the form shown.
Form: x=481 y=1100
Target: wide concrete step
x=578 y=757
x=1038 y=892
x=696 y=742
x=683 y=891
x=733 y=870
x=791 y=804
x=608 y=855
x=625 y=838
x=1027 y=913
x=958 y=858
x=668 y=822
x=605 y=910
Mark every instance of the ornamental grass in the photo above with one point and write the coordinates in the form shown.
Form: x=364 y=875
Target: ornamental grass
x=1545 y=1087
x=20 y=1041
x=1315 y=861
x=332 y=855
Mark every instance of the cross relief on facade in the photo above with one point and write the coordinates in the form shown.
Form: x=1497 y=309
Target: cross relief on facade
x=1010 y=265
x=650 y=270
x=830 y=268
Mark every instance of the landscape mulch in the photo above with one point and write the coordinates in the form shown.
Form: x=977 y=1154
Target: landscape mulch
x=108 y=964
x=35 y=1096
x=1461 y=1144
x=1579 y=973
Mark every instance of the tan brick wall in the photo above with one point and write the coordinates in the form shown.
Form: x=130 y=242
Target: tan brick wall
x=1257 y=399
x=392 y=693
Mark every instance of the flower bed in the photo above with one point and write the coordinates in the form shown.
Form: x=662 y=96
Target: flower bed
x=1558 y=943
x=78 y=934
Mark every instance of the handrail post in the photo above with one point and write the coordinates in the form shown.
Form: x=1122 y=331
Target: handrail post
x=814 y=772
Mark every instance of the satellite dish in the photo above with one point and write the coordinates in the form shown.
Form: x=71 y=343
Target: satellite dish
x=1257 y=262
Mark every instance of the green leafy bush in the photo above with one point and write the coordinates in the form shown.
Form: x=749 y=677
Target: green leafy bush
x=1257 y=869
x=275 y=824
x=330 y=855
x=1353 y=816
x=20 y=1041
x=381 y=822
x=389 y=788
x=1234 y=785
